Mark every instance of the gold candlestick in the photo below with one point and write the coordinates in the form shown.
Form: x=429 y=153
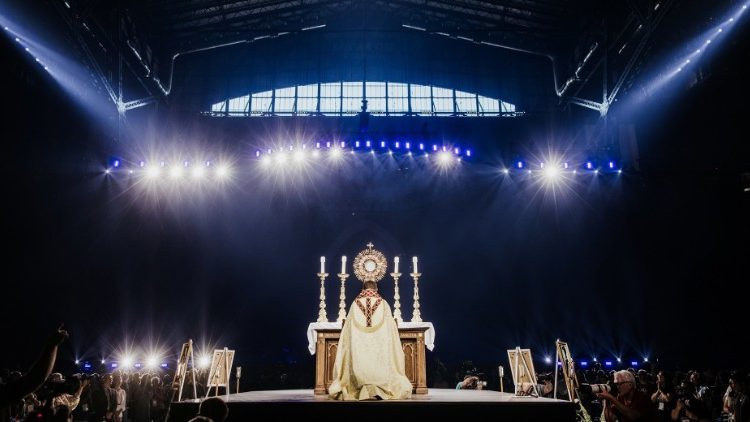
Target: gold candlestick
x=322 y=312
x=416 y=316
x=396 y=298
x=342 y=299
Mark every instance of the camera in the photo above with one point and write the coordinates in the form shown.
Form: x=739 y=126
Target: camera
x=52 y=389
x=598 y=388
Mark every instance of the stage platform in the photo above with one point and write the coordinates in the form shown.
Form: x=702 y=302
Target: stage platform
x=438 y=404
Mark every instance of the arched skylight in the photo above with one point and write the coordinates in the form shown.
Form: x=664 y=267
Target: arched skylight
x=345 y=98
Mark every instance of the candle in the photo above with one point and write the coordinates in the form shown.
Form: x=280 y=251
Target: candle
x=395 y=264
x=343 y=264
x=322 y=265
x=414 y=263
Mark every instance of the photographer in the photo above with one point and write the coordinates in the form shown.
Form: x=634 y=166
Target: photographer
x=629 y=404
x=69 y=392
x=471 y=382
x=735 y=399
x=688 y=406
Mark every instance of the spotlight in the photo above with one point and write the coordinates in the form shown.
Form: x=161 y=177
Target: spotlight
x=127 y=361
x=164 y=365
x=619 y=360
x=257 y=154
x=356 y=144
x=584 y=363
x=77 y=361
x=468 y=153
x=633 y=363
x=372 y=151
x=153 y=172
x=547 y=359
x=299 y=156
x=589 y=165
x=317 y=145
x=316 y=154
x=645 y=359
x=204 y=361
x=456 y=150
x=434 y=148
x=175 y=172
x=281 y=158
x=342 y=144
x=506 y=171
x=337 y=153
x=198 y=172
x=551 y=173
x=367 y=144
x=607 y=363
x=611 y=164
x=116 y=163
x=141 y=164
x=519 y=164
x=596 y=171
x=382 y=144
x=398 y=145
x=421 y=147
x=107 y=171
x=407 y=145
x=444 y=159
x=265 y=160
x=223 y=171
x=594 y=359
x=103 y=361
x=328 y=144
x=152 y=362
x=565 y=166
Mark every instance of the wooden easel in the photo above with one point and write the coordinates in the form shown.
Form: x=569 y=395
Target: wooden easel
x=181 y=373
x=570 y=378
x=218 y=376
x=522 y=369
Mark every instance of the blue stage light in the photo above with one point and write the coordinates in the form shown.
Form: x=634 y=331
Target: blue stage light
x=584 y=363
x=164 y=365
x=519 y=164
x=407 y=145
x=356 y=144
x=611 y=164
x=328 y=144
x=607 y=363
x=456 y=151
x=87 y=365
x=382 y=144
x=633 y=363
x=257 y=154
x=566 y=165
x=367 y=144
x=398 y=144
x=421 y=147
x=589 y=165
x=113 y=365
x=317 y=145
x=434 y=147
x=116 y=163
x=506 y=171
x=468 y=153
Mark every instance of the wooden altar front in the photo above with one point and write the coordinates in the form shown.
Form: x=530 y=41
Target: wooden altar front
x=412 y=341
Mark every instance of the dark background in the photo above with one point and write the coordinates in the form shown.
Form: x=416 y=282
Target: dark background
x=650 y=263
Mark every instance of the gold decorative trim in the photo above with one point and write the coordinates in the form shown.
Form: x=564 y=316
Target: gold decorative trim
x=370 y=265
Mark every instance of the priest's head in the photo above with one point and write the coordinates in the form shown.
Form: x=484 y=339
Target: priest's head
x=372 y=285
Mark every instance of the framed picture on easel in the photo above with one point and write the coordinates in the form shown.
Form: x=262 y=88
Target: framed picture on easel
x=221 y=365
x=522 y=370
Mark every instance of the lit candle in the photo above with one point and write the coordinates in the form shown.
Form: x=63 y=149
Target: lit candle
x=414 y=263
x=395 y=264
x=322 y=265
x=343 y=264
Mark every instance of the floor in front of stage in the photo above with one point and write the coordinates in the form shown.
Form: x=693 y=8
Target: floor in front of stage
x=438 y=403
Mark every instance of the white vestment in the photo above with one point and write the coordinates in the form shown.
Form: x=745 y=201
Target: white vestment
x=369 y=359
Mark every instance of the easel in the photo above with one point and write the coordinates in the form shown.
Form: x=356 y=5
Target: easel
x=219 y=374
x=570 y=378
x=522 y=369
x=181 y=372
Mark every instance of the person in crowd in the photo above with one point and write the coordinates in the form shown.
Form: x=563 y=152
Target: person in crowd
x=70 y=401
x=629 y=404
x=470 y=382
x=14 y=391
x=212 y=408
x=663 y=396
x=688 y=406
x=735 y=399
x=120 y=397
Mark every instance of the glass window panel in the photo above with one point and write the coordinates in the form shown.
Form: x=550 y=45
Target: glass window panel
x=421 y=105
x=398 y=104
x=330 y=106
x=488 y=105
x=330 y=90
x=466 y=104
x=462 y=94
x=376 y=105
x=285 y=92
x=307 y=90
x=261 y=102
x=239 y=104
x=508 y=107
x=352 y=89
x=219 y=107
x=420 y=91
x=397 y=90
x=443 y=104
x=284 y=105
x=352 y=105
x=442 y=92
x=307 y=105
x=375 y=89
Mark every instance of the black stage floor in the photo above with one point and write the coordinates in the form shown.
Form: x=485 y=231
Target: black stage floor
x=439 y=404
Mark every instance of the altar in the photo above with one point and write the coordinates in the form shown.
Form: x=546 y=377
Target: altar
x=323 y=338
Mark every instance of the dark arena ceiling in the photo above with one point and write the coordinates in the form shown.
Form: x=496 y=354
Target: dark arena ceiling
x=582 y=52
